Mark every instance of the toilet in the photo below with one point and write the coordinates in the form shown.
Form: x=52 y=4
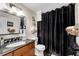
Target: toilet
x=39 y=50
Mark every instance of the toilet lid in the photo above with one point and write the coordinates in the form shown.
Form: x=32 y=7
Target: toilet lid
x=40 y=47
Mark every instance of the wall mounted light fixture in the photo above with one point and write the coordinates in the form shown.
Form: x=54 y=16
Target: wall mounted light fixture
x=16 y=10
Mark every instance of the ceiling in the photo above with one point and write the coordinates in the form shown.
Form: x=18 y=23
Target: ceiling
x=44 y=7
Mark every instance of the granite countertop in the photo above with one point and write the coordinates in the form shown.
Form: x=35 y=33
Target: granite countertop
x=5 y=50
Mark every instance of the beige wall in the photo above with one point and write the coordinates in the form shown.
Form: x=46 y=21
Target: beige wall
x=76 y=14
x=77 y=19
x=28 y=17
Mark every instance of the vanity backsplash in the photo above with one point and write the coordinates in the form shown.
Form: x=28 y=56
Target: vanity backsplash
x=7 y=38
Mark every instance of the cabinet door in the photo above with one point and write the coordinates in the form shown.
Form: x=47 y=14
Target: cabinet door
x=31 y=52
x=27 y=50
x=19 y=52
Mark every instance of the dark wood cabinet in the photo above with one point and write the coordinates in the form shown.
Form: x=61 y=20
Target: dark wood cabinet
x=27 y=50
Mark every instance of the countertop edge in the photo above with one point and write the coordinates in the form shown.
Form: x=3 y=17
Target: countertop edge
x=3 y=54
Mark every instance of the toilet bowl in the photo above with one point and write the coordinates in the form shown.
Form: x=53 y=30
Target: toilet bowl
x=40 y=50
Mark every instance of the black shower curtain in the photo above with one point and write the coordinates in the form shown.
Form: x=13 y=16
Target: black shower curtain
x=52 y=29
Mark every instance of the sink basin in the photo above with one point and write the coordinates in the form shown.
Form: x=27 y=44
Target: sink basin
x=16 y=44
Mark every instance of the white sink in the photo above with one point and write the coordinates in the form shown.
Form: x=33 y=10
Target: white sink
x=16 y=44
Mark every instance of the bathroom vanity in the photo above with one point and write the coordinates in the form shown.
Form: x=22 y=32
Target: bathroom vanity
x=27 y=49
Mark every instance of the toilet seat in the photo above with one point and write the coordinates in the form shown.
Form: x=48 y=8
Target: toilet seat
x=40 y=47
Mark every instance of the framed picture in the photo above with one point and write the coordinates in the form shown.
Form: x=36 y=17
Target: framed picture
x=9 y=23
